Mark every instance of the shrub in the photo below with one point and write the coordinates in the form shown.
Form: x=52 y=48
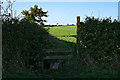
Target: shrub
x=100 y=38
x=22 y=46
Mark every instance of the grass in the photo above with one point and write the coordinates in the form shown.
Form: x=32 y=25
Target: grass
x=81 y=72
x=84 y=72
x=69 y=39
x=66 y=33
x=25 y=74
x=62 y=30
x=61 y=42
x=0 y=65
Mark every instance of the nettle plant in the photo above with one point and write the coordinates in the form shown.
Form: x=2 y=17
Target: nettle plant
x=100 y=38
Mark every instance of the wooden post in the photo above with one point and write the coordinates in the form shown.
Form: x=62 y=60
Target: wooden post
x=78 y=37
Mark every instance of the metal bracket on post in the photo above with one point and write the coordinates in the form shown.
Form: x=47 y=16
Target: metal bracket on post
x=78 y=38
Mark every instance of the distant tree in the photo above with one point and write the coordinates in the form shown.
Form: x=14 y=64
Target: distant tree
x=72 y=24
x=57 y=24
x=34 y=15
x=67 y=24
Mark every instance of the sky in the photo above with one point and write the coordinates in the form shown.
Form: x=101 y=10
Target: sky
x=119 y=10
x=66 y=0
x=66 y=12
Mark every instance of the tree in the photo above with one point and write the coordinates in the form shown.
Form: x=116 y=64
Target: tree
x=8 y=14
x=34 y=15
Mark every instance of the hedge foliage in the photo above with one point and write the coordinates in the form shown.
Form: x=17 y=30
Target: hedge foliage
x=23 y=45
x=100 y=38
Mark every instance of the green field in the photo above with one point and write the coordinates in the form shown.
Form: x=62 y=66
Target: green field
x=66 y=33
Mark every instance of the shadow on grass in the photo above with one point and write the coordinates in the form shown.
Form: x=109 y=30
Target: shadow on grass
x=60 y=44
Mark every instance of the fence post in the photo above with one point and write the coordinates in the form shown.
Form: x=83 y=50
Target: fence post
x=78 y=37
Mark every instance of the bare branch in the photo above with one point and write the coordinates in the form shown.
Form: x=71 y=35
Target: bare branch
x=14 y=1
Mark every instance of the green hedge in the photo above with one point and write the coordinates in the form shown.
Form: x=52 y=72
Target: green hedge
x=100 y=38
x=22 y=44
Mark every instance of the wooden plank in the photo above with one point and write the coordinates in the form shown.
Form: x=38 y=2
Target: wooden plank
x=57 y=50
x=58 y=57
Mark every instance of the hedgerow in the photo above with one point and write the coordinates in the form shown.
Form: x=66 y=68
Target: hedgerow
x=100 y=38
x=23 y=45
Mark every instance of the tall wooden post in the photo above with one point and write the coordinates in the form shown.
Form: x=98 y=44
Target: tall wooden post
x=78 y=37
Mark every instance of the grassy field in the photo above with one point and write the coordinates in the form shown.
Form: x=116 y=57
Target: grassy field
x=62 y=30
x=66 y=33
